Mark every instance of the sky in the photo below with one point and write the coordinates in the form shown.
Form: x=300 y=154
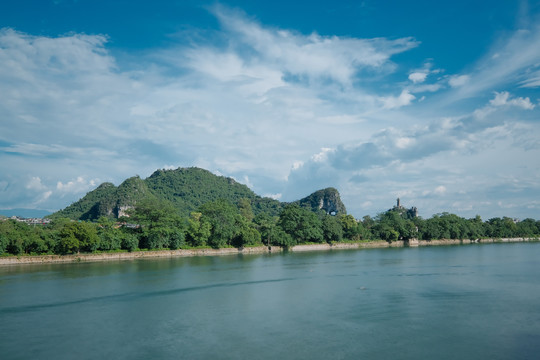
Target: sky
x=433 y=102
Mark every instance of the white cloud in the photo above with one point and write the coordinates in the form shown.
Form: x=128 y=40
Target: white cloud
x=273 y=196
x=247 y=182
x=35 y=184
x=500 y=99
x=315 y=56
x=458 y=80
x=323 y=155
x=454 y=150
x=251 y=102
x=418 y=77
x=440 y=190
x=426 y=88
x=504 y=98
x=404 y=142
x=77 y=186
x=404 y=99
x=42 y=198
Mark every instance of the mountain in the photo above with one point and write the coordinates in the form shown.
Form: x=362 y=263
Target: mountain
x=326 y=199
x=186 y=189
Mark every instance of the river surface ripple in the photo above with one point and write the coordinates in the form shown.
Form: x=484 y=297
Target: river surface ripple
x=453 y=302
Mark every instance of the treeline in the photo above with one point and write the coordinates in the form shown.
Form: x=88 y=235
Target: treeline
x=157 y=225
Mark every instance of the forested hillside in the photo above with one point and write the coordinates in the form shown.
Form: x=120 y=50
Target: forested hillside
x=186 y=189
x=192 y=207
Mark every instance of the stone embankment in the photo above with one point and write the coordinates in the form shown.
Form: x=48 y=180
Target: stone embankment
x=401 y=243
x=13 y=260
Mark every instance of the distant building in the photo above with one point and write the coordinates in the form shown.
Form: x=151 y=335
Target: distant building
x=31 y=221
x=409 y=213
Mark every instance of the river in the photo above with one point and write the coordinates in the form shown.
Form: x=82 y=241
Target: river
x=445 y=302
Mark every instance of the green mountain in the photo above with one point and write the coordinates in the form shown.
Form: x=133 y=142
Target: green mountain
x=186 y=189
x=326 y=199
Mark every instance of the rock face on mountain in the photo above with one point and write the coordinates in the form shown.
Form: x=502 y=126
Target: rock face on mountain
x=327 y=200
x=186 y=189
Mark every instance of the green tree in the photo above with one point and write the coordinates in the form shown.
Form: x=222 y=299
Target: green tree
x=502 y=227
x=332 y=229
x=129 y=242
x=352 y=229
x=475 y=228
x=160 y=225
x=4 y=242
x=266 y=225
x=16 y=234
x=177 y=239
x=245 y=209
x=527 y=227
x=78 y=236
x=301 y=224
x=198 y=230
x=391 y=222
x=221 y=214
x=281 y=238
x=246 y=233
x=110 y=237
x=368 y=224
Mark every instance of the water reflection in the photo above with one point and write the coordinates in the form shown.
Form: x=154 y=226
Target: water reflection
x=319 y=305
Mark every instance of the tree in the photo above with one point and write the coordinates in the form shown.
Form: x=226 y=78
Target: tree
x=368 y=224
x=78 y=236
x=129 y=242
x=527 y=227
x=245 y=209
x=266 y=225
x=502 y=228
x=177 y=239
x=4 y=242
x=221 y=214
x=332 y=229
x=161 y=226
x=246 y=233
x=351 y=228
x=271 y=233
x=301 y=224
x=281 y=238
x=392 y=222
x=198 y=230
x=110 y=237
x=475 y=228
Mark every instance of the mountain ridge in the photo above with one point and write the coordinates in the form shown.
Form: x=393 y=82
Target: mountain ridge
x=186 y=189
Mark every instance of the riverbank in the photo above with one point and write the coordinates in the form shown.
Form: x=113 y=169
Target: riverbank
x=41 y=259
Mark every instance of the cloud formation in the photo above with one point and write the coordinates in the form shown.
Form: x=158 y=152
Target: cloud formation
x=312 y=56
x=285 y=112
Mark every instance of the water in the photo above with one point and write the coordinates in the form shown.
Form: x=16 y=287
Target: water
x=461 y=302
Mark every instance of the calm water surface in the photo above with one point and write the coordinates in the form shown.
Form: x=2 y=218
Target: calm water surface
x=460 y=302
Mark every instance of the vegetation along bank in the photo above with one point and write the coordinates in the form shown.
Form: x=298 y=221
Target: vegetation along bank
x=191 y=211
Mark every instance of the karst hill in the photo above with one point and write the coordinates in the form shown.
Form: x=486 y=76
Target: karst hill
x=186 y=189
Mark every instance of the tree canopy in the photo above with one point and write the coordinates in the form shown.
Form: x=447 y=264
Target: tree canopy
x=156 y=223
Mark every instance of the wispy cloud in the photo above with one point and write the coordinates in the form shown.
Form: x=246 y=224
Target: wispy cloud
x=312 y=56
x=460 y=155
x=510 y=62
x=284 y=111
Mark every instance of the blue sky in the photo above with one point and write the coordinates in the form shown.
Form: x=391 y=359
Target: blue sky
x=437 y=104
